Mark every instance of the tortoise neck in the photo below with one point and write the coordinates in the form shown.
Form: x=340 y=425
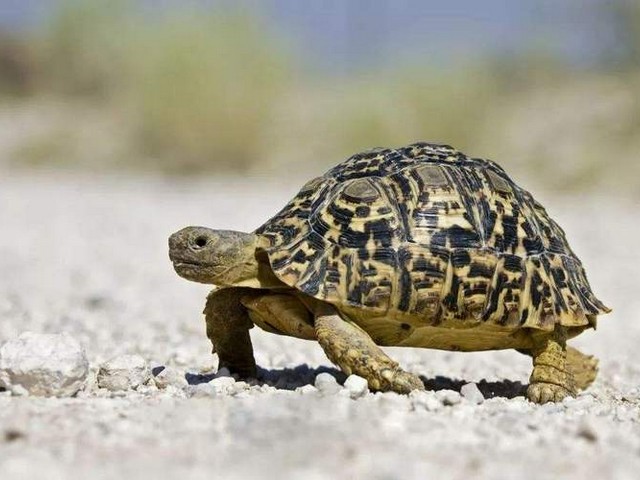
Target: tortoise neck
x=241 y=264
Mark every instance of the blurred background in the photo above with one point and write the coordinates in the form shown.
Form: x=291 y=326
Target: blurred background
x=551 y=90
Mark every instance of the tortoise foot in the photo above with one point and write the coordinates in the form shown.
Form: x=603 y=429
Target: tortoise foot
x=542 y=392
x=397 y=380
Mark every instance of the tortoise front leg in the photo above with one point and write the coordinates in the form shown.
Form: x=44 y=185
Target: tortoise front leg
x=349 y=347
x=228 y=327
x=551 y=380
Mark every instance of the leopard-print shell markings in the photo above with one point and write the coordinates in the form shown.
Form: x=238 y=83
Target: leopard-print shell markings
x=429 y=236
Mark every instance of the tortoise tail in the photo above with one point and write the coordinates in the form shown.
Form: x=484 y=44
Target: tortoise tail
x=584 y=368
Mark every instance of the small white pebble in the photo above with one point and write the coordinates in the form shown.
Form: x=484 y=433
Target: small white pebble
x=326 y=384
x=425 y=400
x=307 y=390
x=173 y=391
x=239 y=387
x=267 y=388
x=223 y=385
x=472 y=393
x=19 y=391
x=202 y=390
x=147 y=389
x=223 y=381
x=356 y=386
x=448 y=397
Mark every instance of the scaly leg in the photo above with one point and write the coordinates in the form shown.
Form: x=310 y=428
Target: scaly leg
x=583 y=367
x=228 y=327
x=551 y=380
x=349 y=347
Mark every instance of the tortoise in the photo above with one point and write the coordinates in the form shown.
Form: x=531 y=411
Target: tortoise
x=420 y=246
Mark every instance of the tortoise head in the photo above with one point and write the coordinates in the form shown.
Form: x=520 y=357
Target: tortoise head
x=218 y=257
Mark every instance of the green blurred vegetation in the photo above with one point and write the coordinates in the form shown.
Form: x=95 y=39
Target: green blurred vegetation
x=101 y=86
x=190 y=91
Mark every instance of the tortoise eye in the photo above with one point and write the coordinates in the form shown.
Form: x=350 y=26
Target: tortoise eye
x=200 y=241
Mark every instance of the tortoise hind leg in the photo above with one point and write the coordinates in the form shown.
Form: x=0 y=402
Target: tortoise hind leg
x=583 y=367
x=551 y=379
x=349 y=347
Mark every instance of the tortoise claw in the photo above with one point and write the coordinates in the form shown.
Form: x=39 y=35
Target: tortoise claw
x=401 y=381
x=542 y=392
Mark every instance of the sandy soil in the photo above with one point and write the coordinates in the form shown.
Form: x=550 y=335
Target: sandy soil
x=88 y=256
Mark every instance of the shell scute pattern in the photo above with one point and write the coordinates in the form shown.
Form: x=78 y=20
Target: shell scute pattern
x=429 y=234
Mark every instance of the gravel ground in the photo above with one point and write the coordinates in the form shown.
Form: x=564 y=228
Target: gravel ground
x=88 y=257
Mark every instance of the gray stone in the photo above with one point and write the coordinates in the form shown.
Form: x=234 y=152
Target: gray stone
x=472 y=393
x=326 y=384
x=170 y=376
x=125 y=372
x=43 y=365
x=356 y=386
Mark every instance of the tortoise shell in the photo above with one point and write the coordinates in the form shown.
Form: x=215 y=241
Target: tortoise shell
x=428 y=234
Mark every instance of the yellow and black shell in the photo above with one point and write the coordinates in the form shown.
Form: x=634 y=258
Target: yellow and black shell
x=426 y=233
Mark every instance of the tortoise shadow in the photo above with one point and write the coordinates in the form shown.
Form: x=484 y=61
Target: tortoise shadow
x=504 y=388
x=280 y=378
x=301 y=375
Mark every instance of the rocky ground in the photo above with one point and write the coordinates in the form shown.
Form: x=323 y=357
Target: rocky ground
x=88 y=257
